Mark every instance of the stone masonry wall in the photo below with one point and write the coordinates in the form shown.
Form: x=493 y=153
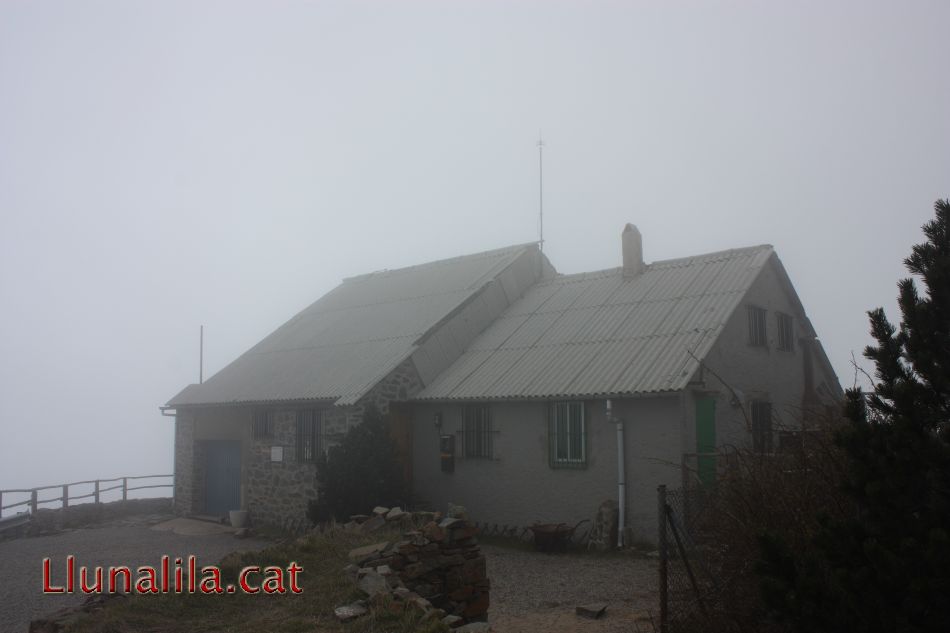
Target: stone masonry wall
x=277 y=493
x=189 y=476
x=399 y=385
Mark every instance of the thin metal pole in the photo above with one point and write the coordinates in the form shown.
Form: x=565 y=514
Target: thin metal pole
x=685 y=559
x=540 y=192
x=664 y=558
x=201 y=356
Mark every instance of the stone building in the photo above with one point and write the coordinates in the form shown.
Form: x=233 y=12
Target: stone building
x=496 y=373
x=248 y=437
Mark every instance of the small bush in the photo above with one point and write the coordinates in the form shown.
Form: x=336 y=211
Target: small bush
x=360 y=473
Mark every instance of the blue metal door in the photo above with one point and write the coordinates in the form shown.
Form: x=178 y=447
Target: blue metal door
x=222 y=477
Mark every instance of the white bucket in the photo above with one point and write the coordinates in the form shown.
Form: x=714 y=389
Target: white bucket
x=238 y=518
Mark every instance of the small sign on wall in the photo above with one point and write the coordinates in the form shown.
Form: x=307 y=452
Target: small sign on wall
x=277 y=453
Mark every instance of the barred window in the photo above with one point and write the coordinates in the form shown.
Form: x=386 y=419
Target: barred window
x=309 y=435
x=568 y=435
x=786 y=341
x=757 y=326
x=262 y=428
x=478 y=432
x=761 y=426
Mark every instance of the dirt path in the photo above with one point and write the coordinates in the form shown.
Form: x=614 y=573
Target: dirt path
x=537 y=593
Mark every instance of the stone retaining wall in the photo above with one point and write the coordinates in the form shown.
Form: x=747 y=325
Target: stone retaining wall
x=439 y=566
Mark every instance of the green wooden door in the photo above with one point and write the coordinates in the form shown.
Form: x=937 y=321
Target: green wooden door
x=706 y=440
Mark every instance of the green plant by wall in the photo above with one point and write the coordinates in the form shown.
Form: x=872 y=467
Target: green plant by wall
x=360 y=473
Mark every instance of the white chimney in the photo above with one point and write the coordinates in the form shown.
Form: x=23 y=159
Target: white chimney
x=632 y=251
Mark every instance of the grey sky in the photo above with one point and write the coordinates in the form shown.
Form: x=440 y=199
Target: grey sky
x=164 y=165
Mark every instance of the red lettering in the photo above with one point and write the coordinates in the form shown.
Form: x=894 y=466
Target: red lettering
x=84 y=577
x=115 y=572
x=178 y=574
x=148 y=583
x=192 y=573
x=47 y=587
x=242 y=580
x=165 y=574
x=293 y=570
x=211 y=582
x=274 y=580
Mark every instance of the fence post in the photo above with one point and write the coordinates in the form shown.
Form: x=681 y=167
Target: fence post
x=33 y=501
x=65 y=496
x=664 y=558
x=1 y=504
x=95 y=493
x=125 y=488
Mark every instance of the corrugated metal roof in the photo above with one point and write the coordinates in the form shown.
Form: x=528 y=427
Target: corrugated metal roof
x=342 y=345
x=600 y=334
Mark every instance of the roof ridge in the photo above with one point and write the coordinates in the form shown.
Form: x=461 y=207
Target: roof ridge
x=660 y=263
x=742 y=250
x=471 y=256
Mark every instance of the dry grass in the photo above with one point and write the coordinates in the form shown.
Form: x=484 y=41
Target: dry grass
x=325 y=586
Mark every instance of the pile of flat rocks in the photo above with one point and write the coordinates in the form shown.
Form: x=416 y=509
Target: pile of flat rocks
x=438 y=569
x=381 y=516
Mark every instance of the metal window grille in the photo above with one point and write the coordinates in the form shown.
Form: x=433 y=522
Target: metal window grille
x=785 y=339
x=309 y=437
x=761 y=426
x=262 y=427
x=478 y=432
x=568 y=435
x=757 y=326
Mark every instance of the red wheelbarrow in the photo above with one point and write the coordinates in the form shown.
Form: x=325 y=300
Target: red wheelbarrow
x=553 y=537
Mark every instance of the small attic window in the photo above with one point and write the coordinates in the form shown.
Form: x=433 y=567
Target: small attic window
x=786 y=340
x=757 y=326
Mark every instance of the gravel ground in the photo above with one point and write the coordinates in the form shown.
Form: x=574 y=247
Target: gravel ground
x=123 y=543
x=537 y=593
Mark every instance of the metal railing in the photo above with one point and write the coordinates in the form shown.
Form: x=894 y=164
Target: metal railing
x=64 y=498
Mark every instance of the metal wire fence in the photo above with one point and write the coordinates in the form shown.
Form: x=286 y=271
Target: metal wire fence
x=696 y=570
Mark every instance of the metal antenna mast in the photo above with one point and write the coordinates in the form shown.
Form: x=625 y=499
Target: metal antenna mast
x=540 y=192
x=201 y=355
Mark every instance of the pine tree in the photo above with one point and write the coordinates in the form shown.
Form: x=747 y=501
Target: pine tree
x=886 y=566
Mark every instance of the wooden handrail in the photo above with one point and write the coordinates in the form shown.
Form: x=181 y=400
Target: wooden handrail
x=65 y=497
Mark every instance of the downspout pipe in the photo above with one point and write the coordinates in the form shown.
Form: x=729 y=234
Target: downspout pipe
x=621 y=474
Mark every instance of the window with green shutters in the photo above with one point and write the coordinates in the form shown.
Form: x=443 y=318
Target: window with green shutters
x=567 y=434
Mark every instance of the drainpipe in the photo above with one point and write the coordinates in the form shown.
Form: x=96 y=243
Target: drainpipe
x=621 y=478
